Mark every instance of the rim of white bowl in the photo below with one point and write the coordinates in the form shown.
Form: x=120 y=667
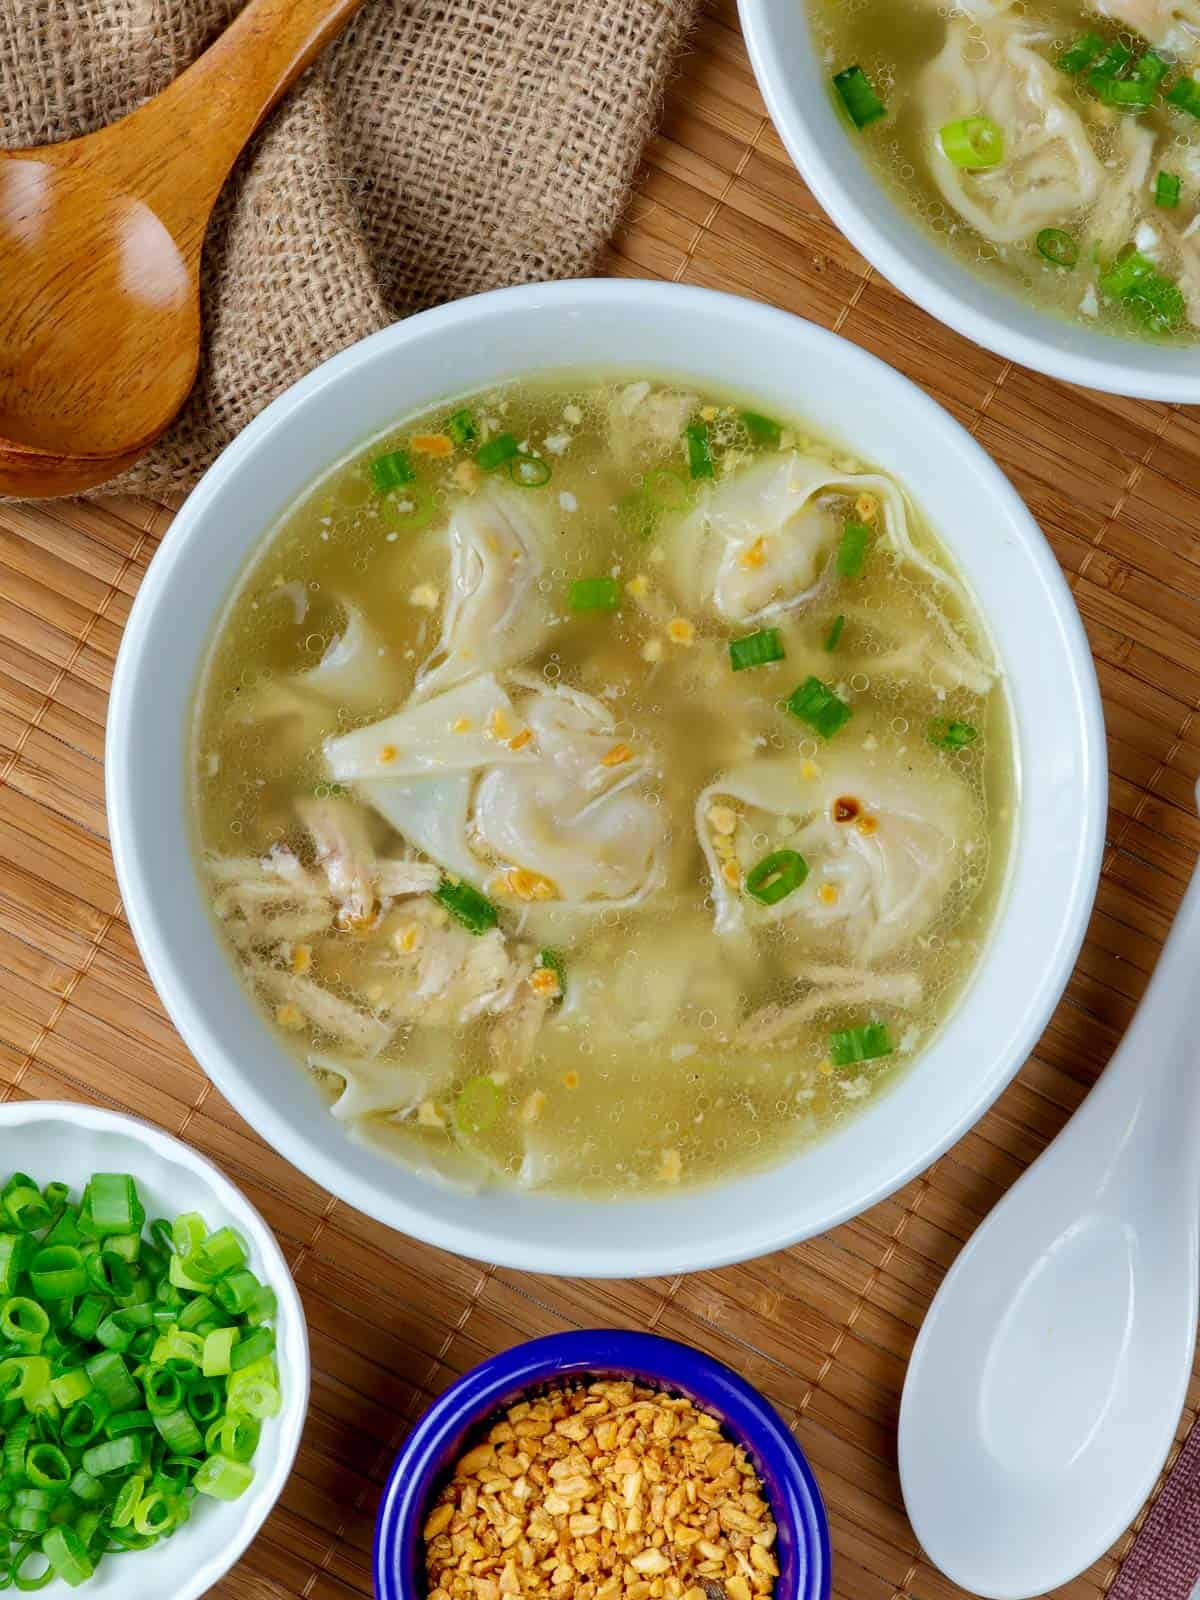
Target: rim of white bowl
x=295 y=1360
x=795 y=87
x=625 y=1252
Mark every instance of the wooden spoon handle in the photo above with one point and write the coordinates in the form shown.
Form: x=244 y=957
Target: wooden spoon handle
x=188 y=138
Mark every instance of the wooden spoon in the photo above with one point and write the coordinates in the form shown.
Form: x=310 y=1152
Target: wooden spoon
x=100 y=242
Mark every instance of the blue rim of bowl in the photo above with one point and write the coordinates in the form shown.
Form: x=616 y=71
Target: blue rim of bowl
x=434 y=1444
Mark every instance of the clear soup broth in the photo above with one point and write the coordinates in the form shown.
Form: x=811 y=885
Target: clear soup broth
x=1052 y=145
x=602 y=786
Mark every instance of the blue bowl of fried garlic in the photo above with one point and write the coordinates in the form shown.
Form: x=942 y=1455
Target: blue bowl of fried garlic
x=601 y=1463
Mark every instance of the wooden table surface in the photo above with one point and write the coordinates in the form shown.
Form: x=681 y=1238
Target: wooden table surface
x=824 y=1329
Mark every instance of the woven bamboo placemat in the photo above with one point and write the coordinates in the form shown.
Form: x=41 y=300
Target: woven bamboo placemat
x=824 y=1329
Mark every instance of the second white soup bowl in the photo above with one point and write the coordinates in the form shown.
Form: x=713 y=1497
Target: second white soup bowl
x=791 y=368
x=795 y=82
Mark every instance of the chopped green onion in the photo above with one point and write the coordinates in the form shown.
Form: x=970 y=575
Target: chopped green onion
x=857 y=94
x=529 y=472
x=951 y=735
x=1058 y=247
x=762 y=430
x=553 y=962
x=1184 y=95
x=223 y=1479
x=1150 y=68
x=497 y=451
x=1154 y=300
x=239 y=1436
x=462 y=428
x=22 y=1201
x=67 y=1555
x=221 y=1253
x=852 y=550
x=756 y=649
x=667 y=489
x=474 y=910
x=817 y=705
x=833 y=637
x=1134 y=92
x=1167 y=189
x=973 y=142
x=1082 y=53
x=24 y=1323
x=478 y=1105
x=113 y=1455
x=413 y=510
x=700 y=461
x=867 y=1043
x=236 y=1293
x=1113 y=60
x=594 y=594
x=179 y=1432
x=776 y=876
x=217 y=1347
x=392 y=471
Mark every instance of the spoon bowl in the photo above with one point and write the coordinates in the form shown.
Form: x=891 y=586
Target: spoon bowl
x=1046 y=1385
x=100 y=246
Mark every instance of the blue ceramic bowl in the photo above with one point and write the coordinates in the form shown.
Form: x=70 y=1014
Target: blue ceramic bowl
x=438 y=1439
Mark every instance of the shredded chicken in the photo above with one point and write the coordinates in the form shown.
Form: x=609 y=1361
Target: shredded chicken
x=326 y=1011
x=515 y=1031
x=339 y=832
x=831 y=987
x=395 y=879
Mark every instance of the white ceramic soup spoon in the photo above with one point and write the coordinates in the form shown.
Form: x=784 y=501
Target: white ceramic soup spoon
x=1046 y=1385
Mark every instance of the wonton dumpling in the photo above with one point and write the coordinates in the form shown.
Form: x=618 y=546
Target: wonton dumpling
x=495 y=615
x=570 y=817
x=1172 y=25
x=555 y=806
x=355 y=670
x=1049 y=171
x=759 y=542
x=891 y=878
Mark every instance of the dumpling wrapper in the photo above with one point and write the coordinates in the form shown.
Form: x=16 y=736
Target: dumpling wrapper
x=1172 y=25
x=495 y=614
x=553 y=808
x=422 y=739
x=759 y=542
x=891 y=882
x=1049 y=172
x=372 y=1086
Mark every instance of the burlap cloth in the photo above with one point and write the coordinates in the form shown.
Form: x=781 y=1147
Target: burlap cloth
x=439 y=148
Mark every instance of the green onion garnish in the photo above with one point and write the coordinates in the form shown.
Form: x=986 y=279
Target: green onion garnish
x=555 y=964
x=478 y=1105
x=102 y=1398
x=949 y=735
x=834 y=635
x=762 y=430
x=392 y=471
x=529 y=472
x=852 y=551
x=858 y=96
x=1132 y=92
x=868 y=1043
x=776 y=876
x=666 y=488
x=1154 y=300
x=594 y=594
x=474 y=910
x=1150 y=68
x=462 y=428
x=1184 y=95
x=1057 y=247
x=1112 y=61
x=817 y=705
x=497 y=451
x=1167 y=189
x=756 y=649
x=1082 y=53
x=973 y=142
x=700 y=461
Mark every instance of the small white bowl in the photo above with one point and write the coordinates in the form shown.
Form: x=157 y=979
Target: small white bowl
x=795 y=85
x=790 y=367
x=59 y=1140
